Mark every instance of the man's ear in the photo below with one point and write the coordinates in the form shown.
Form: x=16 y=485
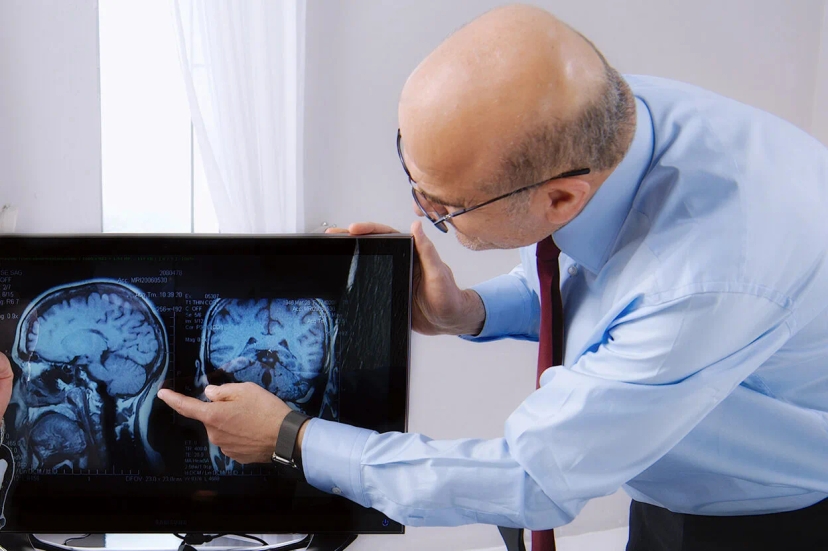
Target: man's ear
x=564 y=199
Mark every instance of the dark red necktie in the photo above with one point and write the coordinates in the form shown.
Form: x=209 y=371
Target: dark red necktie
x=550 y=352
x=550 y=349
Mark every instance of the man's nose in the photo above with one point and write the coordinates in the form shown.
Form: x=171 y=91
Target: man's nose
x=416 y=208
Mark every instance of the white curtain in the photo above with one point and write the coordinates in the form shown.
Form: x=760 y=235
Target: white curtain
x=243 y=64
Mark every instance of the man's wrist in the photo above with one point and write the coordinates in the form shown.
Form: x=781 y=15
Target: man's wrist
x=298 y=446
x=473 y=314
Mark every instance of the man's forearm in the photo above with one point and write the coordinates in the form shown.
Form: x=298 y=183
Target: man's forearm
x=470 y=322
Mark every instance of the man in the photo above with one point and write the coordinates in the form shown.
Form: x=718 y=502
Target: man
x=6 y=383
x=694 y=287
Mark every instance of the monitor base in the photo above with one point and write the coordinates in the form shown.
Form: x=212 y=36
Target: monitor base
x=311 y=542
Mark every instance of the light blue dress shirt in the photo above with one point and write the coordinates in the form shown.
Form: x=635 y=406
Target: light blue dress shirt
x=695 y=289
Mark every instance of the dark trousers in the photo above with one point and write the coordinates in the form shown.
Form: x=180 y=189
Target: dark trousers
x=655 y=529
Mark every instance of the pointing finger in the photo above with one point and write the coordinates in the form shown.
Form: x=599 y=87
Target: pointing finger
x=184 y=405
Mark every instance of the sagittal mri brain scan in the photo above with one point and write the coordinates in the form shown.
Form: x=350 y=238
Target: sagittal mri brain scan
x=93 y=355
x=282 y=345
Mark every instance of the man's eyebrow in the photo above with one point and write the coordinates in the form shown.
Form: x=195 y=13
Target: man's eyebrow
x=436 y=201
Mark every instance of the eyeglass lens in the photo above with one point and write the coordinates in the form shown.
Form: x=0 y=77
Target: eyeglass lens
x=431 y=211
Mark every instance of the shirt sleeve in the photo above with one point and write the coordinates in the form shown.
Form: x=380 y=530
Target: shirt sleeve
x=512 y=308
x=590 y=428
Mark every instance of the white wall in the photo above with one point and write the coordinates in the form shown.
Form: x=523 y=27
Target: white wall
x=359 y=53
x=50 y=129
x=820 y=114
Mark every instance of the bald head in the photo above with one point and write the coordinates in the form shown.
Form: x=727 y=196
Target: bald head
x=468 y=111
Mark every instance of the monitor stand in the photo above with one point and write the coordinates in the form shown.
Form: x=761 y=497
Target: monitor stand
x=311 y=542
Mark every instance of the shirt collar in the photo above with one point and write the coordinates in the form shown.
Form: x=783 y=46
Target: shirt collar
x=589 y=237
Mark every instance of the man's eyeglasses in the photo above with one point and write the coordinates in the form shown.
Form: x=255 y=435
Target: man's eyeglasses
x=438 y=215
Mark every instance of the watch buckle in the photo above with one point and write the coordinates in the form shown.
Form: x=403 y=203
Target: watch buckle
x=282 y=461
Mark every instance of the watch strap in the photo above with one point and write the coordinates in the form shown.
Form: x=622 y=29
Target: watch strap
x=286 y=441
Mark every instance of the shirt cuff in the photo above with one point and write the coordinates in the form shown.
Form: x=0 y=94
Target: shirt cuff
x=332 y=458
x=507 y=302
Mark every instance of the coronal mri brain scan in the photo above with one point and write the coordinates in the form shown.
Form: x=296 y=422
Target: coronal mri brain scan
x=282 y=345
x=93 y=355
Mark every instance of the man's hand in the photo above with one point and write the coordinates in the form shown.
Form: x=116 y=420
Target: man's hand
x=6 y=382
x=242 y=419
x=440 y=306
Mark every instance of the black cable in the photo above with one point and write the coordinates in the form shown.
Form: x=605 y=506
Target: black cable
x=184 y=546
x=37 y=543
x=83 y=537
x=199 y=539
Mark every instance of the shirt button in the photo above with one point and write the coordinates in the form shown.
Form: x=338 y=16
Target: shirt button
x=573 y=270
x=336 y=490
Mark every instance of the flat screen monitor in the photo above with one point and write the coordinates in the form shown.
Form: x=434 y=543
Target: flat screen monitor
x=94 y=326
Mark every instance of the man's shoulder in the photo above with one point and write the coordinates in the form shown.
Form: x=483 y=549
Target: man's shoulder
x=636 y=81
x=651 y=83
x=675 y=101
x=674 y=104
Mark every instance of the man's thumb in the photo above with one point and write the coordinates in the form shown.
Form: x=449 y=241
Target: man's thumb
x=429 y=258
x=219 y=393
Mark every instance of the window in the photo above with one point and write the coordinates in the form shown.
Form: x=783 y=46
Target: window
x=152 y=176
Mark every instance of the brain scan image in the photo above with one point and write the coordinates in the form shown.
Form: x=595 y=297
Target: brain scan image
x=92 y=356
x=282 y=345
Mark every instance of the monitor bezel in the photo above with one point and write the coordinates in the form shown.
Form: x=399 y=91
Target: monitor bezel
x=59 y=517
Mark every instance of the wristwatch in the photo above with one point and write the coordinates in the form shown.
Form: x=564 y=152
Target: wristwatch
x=284 y=454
